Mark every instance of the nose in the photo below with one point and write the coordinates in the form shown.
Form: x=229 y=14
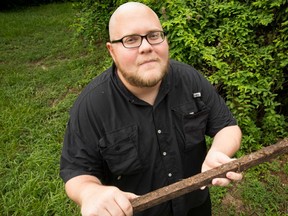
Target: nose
x=145 y=46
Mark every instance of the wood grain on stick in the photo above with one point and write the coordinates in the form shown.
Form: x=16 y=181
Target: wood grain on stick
x=203 y=179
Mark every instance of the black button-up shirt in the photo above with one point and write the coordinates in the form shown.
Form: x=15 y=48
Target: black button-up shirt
x=137 y=147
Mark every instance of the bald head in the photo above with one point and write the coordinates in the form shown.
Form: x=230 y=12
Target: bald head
x=126 y=14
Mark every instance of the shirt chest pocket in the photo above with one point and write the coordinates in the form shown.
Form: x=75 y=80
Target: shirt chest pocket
x=190 y=122
x=120 y=150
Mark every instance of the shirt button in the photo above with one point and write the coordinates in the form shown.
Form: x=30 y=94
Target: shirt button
x=164 y=153
x=119 y=177
x=169 y=174
x=159 y=131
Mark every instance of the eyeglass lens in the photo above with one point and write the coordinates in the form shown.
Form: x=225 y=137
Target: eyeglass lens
x=136 y=40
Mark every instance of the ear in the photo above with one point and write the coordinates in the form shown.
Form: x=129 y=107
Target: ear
x=110 y=49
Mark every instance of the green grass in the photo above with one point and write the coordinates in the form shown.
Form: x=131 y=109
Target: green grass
x=263 y=191
x=42 y=71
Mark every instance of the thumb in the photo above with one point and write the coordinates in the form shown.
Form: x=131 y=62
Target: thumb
x=130 y=196
x=224 y=159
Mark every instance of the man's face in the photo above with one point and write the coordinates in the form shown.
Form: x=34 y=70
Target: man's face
x=146 y=65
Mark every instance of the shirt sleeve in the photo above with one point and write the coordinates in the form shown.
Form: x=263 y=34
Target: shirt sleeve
x=219 y=116
x=80 y=152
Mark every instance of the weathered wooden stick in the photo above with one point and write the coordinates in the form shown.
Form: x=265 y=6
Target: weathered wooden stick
x=203 y=179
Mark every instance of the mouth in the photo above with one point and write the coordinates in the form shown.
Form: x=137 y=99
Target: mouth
x=148 y=61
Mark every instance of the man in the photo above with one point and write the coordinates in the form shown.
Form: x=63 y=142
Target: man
x=141 y=125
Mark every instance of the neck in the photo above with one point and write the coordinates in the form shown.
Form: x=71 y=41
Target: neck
x=147 y=94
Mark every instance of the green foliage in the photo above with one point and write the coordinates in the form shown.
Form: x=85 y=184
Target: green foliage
x=241 y=46
x=90 y=20
x=91 y=23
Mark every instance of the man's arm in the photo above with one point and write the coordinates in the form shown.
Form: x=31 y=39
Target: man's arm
x=97 y=199
x=225 y=144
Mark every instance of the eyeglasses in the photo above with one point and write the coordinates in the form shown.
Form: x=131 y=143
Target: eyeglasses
x=135 y=41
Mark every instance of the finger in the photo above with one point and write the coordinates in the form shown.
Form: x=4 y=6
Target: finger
x=99 y=212
x=234 y=176
x=130 y=196
x=124 y=204
x=115 y=210
x=223 y=158
x=106 y=213
x=221 y=182
x=112 y=208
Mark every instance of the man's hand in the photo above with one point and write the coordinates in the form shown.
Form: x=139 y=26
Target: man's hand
x=215 y=159
x=96 y=199
x=107 y=200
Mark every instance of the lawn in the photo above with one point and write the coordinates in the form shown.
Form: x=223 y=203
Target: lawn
x=42 y=70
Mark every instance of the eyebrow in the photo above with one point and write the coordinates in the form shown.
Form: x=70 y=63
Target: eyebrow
x=154 y=30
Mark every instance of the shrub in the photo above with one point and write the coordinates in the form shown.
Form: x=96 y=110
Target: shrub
x=241 y=46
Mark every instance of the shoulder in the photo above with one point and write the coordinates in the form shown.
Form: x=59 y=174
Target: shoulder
x=98 y=82
x=180 y=66
x=186 y=74
x=183 y=70
x=95 y=89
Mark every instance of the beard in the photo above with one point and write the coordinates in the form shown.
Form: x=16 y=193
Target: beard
x=137 y=80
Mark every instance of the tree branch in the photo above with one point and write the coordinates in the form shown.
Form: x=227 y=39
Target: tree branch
x=203 y=179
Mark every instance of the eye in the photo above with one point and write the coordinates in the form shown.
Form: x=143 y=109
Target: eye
x=154 y=35
x=131 y=39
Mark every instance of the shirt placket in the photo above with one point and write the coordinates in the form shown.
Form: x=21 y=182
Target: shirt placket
x=165 y=148
x=168 y=154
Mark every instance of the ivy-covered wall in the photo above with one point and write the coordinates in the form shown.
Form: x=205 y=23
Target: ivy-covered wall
x=240 y=46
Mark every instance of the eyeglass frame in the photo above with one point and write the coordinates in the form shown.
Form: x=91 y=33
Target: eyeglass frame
x=142 y=36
